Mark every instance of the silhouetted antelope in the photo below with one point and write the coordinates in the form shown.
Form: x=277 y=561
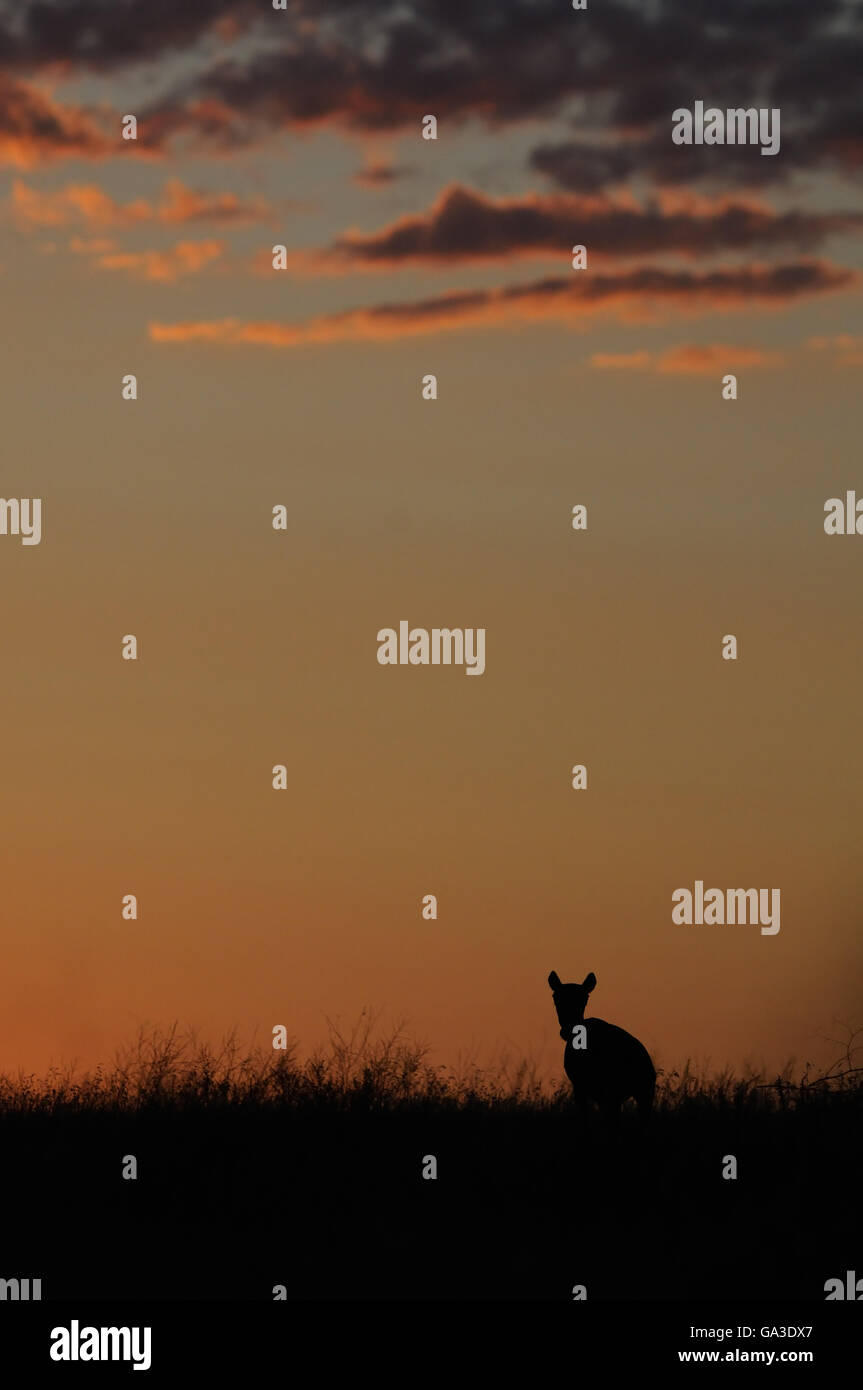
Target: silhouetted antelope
x=612 y=1065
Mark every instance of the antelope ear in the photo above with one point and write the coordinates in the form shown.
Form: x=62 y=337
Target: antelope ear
x=589 y=982
x=554 y=980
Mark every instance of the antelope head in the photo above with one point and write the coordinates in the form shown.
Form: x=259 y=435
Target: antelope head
x=570 y=1001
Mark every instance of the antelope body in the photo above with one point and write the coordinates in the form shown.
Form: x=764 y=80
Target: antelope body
x=612 y=1066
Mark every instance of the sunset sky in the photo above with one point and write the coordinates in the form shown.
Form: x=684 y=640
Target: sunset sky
x=302 y=387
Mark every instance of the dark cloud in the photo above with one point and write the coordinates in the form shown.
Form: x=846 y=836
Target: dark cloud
x=103 y=34
x=380 y=65
x=579 y=166
x=465 y=226
x=584 y=168
x=376 y=67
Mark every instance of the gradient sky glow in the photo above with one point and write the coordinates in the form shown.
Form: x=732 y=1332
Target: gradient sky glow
x=258 y=647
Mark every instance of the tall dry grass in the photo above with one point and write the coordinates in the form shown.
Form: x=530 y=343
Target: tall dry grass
x=371 y=1067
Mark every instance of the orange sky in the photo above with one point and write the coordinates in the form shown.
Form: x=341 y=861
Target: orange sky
x=259 y=647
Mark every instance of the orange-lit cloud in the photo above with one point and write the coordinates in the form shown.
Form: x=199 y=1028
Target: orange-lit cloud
x=847 y=347
x=638 y=295
x=693 y=359
x=89 y=204
x=85 y=202
x=34 y=129
x=182 y=204
x=698 y=358
x=185 y=258
x=378 y=173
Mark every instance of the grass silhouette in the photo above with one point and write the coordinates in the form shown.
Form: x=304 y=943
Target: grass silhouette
x=258 y=1168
